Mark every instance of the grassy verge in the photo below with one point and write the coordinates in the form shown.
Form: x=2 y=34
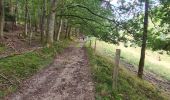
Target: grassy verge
x=132 y=56
x=129 y=86
x=13 y=70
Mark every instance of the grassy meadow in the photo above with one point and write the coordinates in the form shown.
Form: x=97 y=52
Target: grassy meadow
x=130 y=87
x=155 y=62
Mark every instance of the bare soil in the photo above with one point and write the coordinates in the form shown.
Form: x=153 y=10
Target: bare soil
x=68 y=78
x=16 y=44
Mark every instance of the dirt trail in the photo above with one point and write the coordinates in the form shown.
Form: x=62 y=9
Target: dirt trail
x=68 y=78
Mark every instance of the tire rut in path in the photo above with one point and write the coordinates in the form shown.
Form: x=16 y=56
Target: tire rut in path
x=68 y=78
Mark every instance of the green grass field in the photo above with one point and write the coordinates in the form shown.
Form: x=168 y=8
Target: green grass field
x=130 y=87
x=132 y=55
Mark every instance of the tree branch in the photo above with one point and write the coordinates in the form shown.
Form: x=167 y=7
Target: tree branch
x=89 y=19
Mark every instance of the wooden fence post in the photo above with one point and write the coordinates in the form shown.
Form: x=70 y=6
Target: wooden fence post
x=116 y=69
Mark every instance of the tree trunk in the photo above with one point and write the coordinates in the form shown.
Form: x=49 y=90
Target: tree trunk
x=30 y=29
x=69 y=32
x=95 y=44
x=43 y=21
x=75 y=32
x=26 y=17
x=16 y=12
x=11 y=8
x=78 y=32
x=12 y=13
x=51 y=24
x=67 y=29
x=143 y=49
x=39 y=15
x=60 y=29
x=1 y=18
x=56 y=29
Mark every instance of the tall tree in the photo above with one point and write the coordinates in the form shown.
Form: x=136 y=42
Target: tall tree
x=16 y=11
x=60 y=28
x=51 y=23
x=26 y=17
x=60 y=23
x=43 y=19
x=144 y=39
x=11 y=7
x=1 y=18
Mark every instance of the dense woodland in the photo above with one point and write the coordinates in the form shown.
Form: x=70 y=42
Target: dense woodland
x=143 y=23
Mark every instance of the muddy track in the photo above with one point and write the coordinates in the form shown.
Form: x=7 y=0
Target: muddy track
x=68 y=78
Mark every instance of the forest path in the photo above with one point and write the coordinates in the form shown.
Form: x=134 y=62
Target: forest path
x=68 y=78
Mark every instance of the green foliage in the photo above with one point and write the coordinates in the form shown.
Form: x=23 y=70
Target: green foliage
x=90 y=17
x=20 y=67
x=129 y=86
x=102 y=19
